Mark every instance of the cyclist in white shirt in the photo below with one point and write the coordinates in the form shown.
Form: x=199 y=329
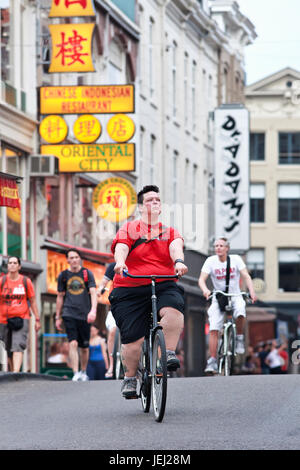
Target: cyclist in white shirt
x=215 y=267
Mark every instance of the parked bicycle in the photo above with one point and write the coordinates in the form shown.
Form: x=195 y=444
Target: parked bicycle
x=152 y=371
x=227 y=341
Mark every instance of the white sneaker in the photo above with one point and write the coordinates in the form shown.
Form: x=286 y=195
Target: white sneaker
x=84 y=377
x=211 y=366
x=77 y=377
x=240 y=347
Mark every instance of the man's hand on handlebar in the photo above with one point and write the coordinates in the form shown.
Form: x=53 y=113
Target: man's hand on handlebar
x=181 y=269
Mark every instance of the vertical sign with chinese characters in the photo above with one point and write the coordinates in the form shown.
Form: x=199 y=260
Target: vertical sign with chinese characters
x=232 y=175
x=66 y=8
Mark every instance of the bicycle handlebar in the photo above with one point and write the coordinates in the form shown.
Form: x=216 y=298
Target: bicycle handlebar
x=150 y=276
x=244 y=294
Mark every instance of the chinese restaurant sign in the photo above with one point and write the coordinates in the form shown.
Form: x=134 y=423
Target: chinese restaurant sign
x=87 y=128
x=9 y=194
x=53 y=129
x=93 y=157
x=106 y=99
x=120 y=128
x=67 y=8
x=71 y=47
x=114 y=199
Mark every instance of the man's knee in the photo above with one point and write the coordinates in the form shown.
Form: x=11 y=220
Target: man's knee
x=74 y=344
x=133 y=347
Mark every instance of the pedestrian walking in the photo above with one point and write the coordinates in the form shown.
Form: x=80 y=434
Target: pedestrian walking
x=16 y=295
x=98 y=361
x=76 y=305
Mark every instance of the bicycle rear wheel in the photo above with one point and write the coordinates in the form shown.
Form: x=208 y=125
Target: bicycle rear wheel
x=229 y=355
x=118 y=372
x=159 y=377
x=144 y=376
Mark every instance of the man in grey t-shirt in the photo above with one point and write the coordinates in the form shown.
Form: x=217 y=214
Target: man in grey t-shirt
x=76 y=305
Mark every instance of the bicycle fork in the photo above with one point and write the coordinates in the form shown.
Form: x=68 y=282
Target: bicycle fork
x=226 y=337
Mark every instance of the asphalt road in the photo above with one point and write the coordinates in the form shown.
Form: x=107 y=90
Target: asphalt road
x=240 y=412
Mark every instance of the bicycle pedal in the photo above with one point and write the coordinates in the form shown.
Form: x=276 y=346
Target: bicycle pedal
x=133 y=397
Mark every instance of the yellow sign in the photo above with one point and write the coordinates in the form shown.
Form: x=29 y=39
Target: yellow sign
x=53 y=129
x=87 y=129
x=114 y=199
x=14 y=213
x=71 y=47
x=107 y=99
x=65 y=8
x=120 y=128
x=92 y=157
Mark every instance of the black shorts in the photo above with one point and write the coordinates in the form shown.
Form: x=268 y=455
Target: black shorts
x=130 y=307
x=78 y=330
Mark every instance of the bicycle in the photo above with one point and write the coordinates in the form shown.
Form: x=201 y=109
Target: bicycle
x=152 y=370
x=227 y=343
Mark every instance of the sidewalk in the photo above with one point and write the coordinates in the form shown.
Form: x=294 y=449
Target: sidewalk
x=10 y=377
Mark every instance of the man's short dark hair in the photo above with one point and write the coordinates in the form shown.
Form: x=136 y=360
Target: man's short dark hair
x=74 y=250
x=146 y=189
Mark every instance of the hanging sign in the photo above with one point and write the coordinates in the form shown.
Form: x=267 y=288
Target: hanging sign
x=87 y=128
x=9 y=194
x=53 y=129
x=93 y=157
x=120 y=128
x=94 y=99
x=71 y=47
x=65 y=8
x=114 y=199
x=232 y=175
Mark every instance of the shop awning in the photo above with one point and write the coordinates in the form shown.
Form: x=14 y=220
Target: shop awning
x=86 y=253
x=9 y=194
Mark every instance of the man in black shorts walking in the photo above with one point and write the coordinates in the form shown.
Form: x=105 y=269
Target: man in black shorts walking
x=76 y=305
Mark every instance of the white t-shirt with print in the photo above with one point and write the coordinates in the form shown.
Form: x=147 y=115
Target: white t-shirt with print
x=217 y=272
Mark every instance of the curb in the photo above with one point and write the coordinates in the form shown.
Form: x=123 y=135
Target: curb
x=15 y=377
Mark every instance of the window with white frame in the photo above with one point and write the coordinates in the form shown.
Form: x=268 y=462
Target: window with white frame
x=257 y=202
x=256 y=263
x=152 y=158
x=175 y=176
x=141 y=159
x=257 y=146
x=194 y=104
x=194 y=195
x=186 y=93
x=174 y=79
x=289 y=148
x=289 y=202
x=289 y=269
x=151 y=57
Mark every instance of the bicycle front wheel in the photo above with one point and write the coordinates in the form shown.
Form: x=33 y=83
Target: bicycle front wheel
x=144 y=376
x=159 y=376
x=229 y=354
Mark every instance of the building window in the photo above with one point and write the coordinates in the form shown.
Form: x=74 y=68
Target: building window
x=289 y=270
x=194 y=104
x=256 y=263
x=257 y=146
x=289 y=202
x=174 y=77
x=186 y=94
x=289 y=148
x=257 y=202
x=175 y=176
x=151 y=58
x=152 y=160
x=141 y=159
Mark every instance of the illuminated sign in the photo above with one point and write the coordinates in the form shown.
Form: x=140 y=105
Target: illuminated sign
x=65 y=8
x=93 y=157
x=53 y=129
x=114 y=199
x=107 y=99
x=71 y=47
x=87 y=128
x=120 y=128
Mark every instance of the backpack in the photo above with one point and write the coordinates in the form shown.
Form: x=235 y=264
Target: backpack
x=25 y=278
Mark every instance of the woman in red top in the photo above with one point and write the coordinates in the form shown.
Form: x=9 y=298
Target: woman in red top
x=14 y=295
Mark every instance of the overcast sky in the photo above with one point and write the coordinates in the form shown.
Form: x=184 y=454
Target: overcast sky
x=278 y=43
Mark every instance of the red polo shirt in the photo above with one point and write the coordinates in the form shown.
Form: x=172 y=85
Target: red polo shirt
x=150 y=257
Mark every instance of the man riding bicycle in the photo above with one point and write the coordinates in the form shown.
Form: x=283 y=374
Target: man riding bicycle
x=215 y=267
x=145 y=247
